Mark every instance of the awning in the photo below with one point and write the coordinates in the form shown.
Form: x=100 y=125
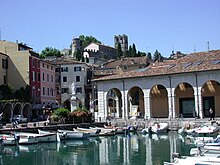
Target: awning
x=38 y=106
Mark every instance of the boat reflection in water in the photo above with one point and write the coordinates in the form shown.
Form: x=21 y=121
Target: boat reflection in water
x=120 y=149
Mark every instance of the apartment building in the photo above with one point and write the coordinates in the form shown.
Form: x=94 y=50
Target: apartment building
x=4 y=68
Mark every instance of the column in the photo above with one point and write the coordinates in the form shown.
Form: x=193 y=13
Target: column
x=147 y=105
x=117 y=107
x=170 y=103
x=200 y=104
x=196 y=100
x=124 y=105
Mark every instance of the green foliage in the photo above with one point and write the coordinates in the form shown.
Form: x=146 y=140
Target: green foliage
x=78 y=55
x=158 y=56
x=86 y=40
x=23 y=94
x=149 y=56
x=6 y=92
x=61 y=112
x=119 y=52
x=79 y=112
x=49 y=51
x=134 y=51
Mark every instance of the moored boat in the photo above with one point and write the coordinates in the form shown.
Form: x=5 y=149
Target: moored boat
x=156 y=128
x=69 y=134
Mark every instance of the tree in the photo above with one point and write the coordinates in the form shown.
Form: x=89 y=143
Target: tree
x=6 y=92
x=78 y=55
x=130 y=51
x=49 y=51
x=158 y=56
x=149 y=56
x=23 y=94
x=119 y=52
x=86 y=40
x=134 y=51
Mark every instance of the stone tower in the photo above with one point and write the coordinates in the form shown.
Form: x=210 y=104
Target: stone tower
x=76 y=45
x=123 y=40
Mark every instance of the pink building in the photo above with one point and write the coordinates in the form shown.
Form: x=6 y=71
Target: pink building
x=47 y=81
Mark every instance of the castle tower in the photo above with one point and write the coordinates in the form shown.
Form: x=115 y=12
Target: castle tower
x=76 y=45
x=123 y=40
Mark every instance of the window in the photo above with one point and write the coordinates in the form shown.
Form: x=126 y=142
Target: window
x=43 y=90
x=58 y=90
x=51 y=91
x=33 y=63
x=64 y=69
x=38 y=76
x=47 y=66
x=77 y=69
x=51 y=67
x=5 y=80
x=48 y=91
x=79 y=90
x=64 y=79
x=43 y=65
x=65 y=90
x=33 y=76
x=57 y=70
x=43 y=76
x=4 y=63
x=77 y=78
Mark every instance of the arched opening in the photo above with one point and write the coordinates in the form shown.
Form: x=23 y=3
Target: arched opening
x=159 y=102
x=7 y=109
x=136 y=102
x=211 y=98
x=184 y=100
x=27 y=111
x=17 y=109
x=114 y=103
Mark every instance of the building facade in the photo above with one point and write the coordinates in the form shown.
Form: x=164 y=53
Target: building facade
x=186 y=87
x=4 y=69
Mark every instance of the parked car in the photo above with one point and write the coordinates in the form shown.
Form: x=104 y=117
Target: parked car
x=19 y=118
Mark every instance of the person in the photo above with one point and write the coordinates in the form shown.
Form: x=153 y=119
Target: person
x=211 y=113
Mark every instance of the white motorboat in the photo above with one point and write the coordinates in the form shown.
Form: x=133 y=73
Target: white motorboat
x=156 y=128
x=195 y=160
x=54 y=136
x=104 y=131
x=206 y=129
x=8 y=140
x=92 y=132
x=32 y=138
x=68 y=134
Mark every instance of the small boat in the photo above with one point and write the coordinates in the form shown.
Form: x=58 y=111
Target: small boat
x=32 y=138
x=195 y=160
x=92 y=132
x=156 y=128
x=118 y=130
x=207 y=129
x=104 y=131
x=9 y=140
x=54 y=135
x=69 y=134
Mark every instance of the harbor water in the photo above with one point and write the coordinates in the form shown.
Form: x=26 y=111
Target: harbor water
x=130 y=149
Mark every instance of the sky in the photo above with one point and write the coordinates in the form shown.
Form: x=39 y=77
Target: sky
x=166 y=25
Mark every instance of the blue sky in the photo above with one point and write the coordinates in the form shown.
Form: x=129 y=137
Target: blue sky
x=165 y=25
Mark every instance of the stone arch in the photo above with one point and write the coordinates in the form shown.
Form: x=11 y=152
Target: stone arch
x=184 y=100
x=135 y=100
x=114 y=103
x=159 y=102
x=27 y=110
x=17 y=109
x=7 y=112
x=210 y=97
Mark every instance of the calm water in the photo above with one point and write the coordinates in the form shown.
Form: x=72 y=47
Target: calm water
x=130 y=149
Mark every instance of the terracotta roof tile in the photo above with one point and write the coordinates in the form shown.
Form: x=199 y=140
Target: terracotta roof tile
x=193 y=62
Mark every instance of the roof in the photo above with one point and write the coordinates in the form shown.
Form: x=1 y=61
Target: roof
x=126 y=62
x=194 y=62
